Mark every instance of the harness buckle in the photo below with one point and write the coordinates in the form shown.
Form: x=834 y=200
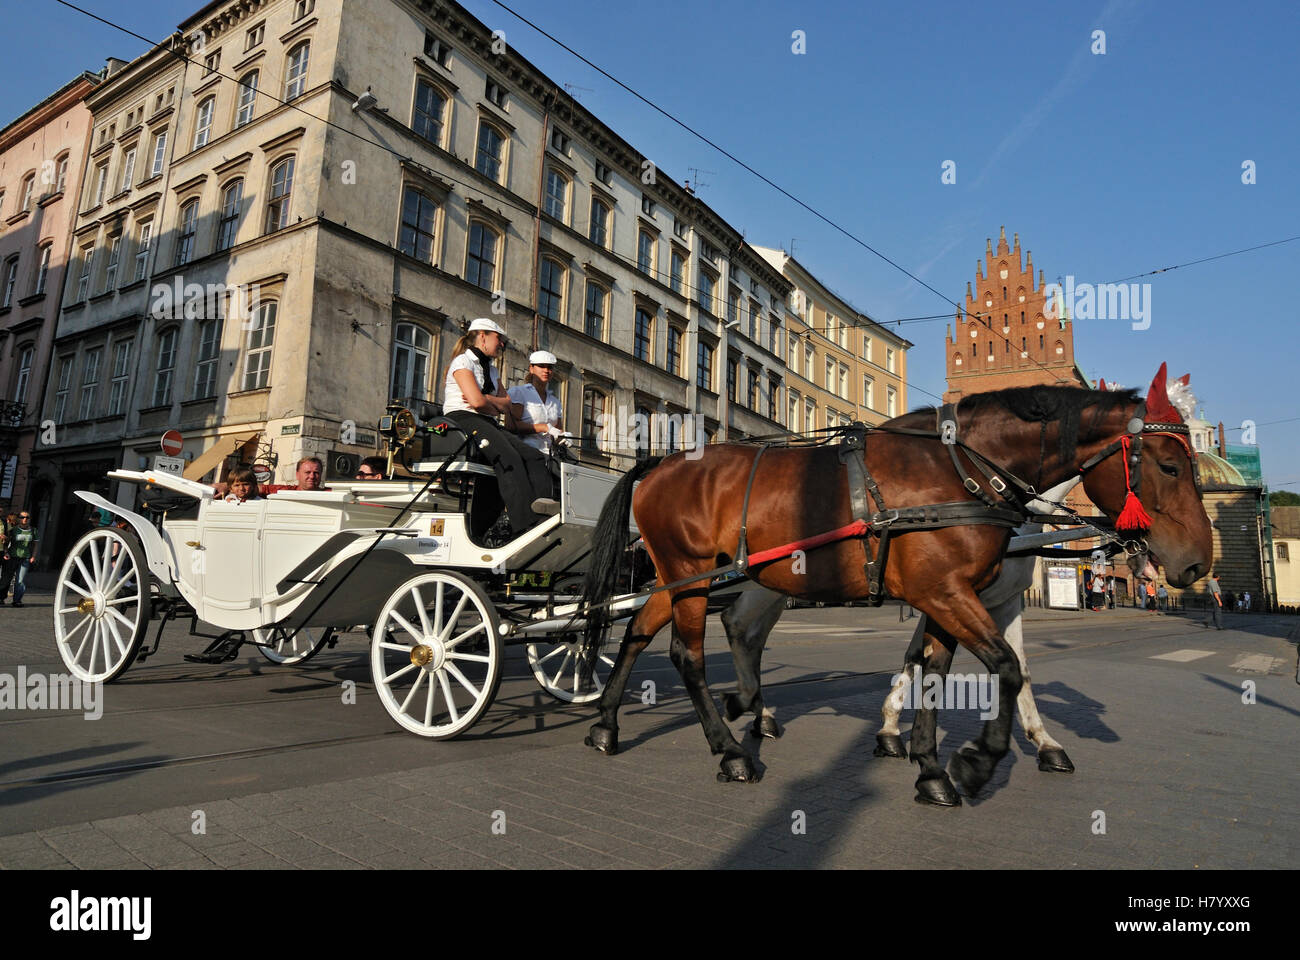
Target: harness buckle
x=971 y=485
x=879 y=522
x=997 y=484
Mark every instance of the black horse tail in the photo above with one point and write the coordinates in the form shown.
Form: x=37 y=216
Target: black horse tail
x=609 y=543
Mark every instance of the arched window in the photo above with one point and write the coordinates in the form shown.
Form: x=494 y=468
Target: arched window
x=411 y=357
x=643 y=335
x=61 y=174
x=232 y=207
x=295 y=77
x=599 y=222
x=277 y=203
x=166 y=367
x=418 y=218
x=43 y=268
x=185 y=232
x=557 y=195
x=10 y=281
x=28 y=192
x=956 y=360
x=121 y=381
x=203 y=122
x=429 y=107
x=550 y=290
x=593 y=408
x=205 y=370
x=594 y=324
x=481 y=259
x=247 y=98
x=261 y=338
x=25 y=358
x=706 y=282
x=491 y=148
x=645 y=252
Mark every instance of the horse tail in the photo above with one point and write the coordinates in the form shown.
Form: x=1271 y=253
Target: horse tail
x=608 y=542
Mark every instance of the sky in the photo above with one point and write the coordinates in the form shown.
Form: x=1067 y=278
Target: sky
x=1108 y=164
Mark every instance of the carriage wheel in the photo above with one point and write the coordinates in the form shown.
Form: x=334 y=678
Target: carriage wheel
x=436 y=654
x=102 y=605
x=287 y=648
x=555 y=667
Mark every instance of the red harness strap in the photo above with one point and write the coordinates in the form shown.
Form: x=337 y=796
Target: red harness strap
x=858 y=528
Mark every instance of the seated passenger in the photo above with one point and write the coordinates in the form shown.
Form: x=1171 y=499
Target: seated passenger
x=473 y=397
x=242 y=485
x=308 y=474
x=371 y=468
x=537 y=410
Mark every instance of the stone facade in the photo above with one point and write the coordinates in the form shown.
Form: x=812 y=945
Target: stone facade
x=1235 y=514
x=1286 y=553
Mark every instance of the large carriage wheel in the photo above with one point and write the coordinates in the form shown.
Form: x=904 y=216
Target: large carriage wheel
x=436 y=654
x=285 y=647
x=555 y=667
x=102 y=605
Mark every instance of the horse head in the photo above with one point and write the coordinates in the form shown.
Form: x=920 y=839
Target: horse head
x=1168 y=514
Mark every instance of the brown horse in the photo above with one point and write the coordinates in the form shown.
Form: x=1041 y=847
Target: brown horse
x=689 y=515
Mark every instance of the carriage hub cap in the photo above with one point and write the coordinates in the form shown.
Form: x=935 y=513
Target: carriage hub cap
x=93 y=605
x=431 y=654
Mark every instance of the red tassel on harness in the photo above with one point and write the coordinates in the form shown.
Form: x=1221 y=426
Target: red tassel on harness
x=1133 y=518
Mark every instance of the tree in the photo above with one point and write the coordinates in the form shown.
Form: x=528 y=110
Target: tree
x=1284 y=498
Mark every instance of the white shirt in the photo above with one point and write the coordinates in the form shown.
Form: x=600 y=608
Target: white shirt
x=453 y=396
x=536 y=410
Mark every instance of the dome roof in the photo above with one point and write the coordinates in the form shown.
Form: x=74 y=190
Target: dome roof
x=1215 y=471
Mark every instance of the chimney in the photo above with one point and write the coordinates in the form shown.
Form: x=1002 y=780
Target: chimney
x=113 y=65
x=1223 y=447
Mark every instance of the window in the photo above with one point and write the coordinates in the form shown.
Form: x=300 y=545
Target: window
x=261 y=337
x=435 y=49
x=594 y=323
x=159 y=153
x=114 y=258
x=643 y=340
x=808 y=360
x=647 y=205
x=559 y=141
x=247 y=98
x=185 y=232
x=830 y=375
x=557 y=194
x=755 y=321
x=599 y=222
x=43 y=269
x=891 y=402
x=61 y=390
x=254 y=36
x=205 y=371
x=550 y=290
x=11 y=279
x=675 y=337
x=869 y=393
x=495 y=93
x=732 y=367
x=792 y=419
x=603 y=173
x=101 y=183
x=411 y=354
x=866 y=347
x=733 y=301
x=232 y=205
x=89 y=384
x=87 y=264
x=143 y=242
x=301 y=8
x=295 y=78
x=677 y=272
x=593 y=409
x=773 y=394
x=128 y=169
x=889 y=359
x=29 y=191
x=277 y=205
x=417 y=233
x=429 y=107
x=61 y=177
x=1284 y=552
x=203 y=122
x=211 y=63
x=752 y=391
x=809 y=416
x=704 y=366
x=121 y=378
x=490 y=144
x=24 y=374
x=162 y=381
x=706 y=291
x=480 y=263
x=645 y=252
x=680 y=228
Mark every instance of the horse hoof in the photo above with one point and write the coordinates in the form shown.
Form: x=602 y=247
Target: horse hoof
x=739 y=768
x=732 y=704
x=766 y=726
x=890 y=745
x=1054 y=761
x=603 y=739
x=937 y=791
x=965 y=767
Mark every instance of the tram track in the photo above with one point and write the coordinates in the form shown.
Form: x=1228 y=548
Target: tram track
x=520 y=714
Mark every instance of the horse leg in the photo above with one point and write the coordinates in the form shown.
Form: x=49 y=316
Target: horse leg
x=748 y=621
x=888 y=741
x=1051 y=755
x=932 y=783
x=690 y=607
x=648 y=621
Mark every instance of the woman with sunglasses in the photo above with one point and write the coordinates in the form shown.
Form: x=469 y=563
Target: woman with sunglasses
x=473 y=396
x=19 y=552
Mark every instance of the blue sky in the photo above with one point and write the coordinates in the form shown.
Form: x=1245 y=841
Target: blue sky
x=1107 y=165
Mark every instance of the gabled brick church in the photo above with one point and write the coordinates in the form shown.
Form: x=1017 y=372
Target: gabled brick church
x=1006 y=337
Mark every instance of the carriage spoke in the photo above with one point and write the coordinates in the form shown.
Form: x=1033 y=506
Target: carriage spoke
x=414 y=687
x=402 y=622
x=420 y=609
x=106 y=564
x=402 y=647
x=476 y=657
x=94 y=562
x=446 y=694
x=67 y=638
x=393 y=676
x=69 y=583
x=451 y=644
x=114 y=613
x=451 y=668
x=428 y=704
x=568 y=655
x=110 y=626
x=94 y=646
x=454 y=618
x=90 y=581
x=554 y=653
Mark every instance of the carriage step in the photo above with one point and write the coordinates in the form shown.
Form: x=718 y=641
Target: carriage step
x=222 y=650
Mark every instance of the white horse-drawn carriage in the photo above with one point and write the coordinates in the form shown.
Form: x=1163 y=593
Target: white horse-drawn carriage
x=407 y=559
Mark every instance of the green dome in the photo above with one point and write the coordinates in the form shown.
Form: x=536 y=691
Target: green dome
x=1215 y=471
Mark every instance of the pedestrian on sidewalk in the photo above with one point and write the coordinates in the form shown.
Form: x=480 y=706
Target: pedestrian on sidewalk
x=1151 y=595
x=19 y=552
x=1216 y=602
x=1110 y=593
x=1162 y=598
x=1098 y=592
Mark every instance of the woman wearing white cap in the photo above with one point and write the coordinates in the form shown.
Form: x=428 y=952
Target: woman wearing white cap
x=473 y=395
x=537 y=411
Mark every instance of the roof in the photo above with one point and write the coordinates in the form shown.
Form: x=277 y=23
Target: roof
x=1217 y=472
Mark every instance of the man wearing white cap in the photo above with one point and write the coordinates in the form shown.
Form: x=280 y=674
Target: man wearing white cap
x=473 y=395
x=537 y=411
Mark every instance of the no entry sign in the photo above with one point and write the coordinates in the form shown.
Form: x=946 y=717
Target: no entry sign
x=171 y=442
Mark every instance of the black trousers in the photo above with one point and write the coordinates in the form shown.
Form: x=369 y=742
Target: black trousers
x=522 y=471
